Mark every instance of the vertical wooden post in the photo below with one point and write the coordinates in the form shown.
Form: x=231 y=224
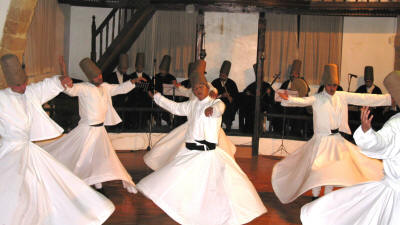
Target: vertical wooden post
x=199 y=34
x=397 y=46
x=259 y=78
x=93 y=52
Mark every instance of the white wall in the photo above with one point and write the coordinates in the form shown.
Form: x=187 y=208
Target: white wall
x=233 y=37
x=367 y=41
x=4 y=5
x=81 y=35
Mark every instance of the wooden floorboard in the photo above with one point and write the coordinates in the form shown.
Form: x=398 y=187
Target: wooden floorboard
x=136 y=209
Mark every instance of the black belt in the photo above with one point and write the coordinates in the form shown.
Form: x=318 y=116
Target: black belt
x=97 y=125
x=206 y=146
x=335 y=131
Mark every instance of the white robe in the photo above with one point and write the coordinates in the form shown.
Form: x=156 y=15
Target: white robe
x=87 y=150
x=326 y=159
x=166 y=149
x=35 y=189
x=373 y=203
x=202 y=187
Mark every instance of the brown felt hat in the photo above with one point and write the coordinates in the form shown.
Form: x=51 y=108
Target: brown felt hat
x=165 y=63
x=392 y=84
x=123 y=61
x=12 y=70
x=197 y=75
x=330 y=75
x=296 y=67
x=139 y=59
x=225 y=68
x=89 y=68
x=369 y=73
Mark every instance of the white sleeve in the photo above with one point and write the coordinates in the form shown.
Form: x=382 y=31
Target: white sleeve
x=180 y=109
x=117 y=89
x=46 y=89
x=382 y=144
x=75 y=90
x=218 y=108
x=298 y=102
x=367 y=99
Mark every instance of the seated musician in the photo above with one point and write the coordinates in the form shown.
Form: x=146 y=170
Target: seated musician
x=247 y=103
x=164 y=77
x=228 y=93
x=138 y=97
x=295 y=126
x=370 y=88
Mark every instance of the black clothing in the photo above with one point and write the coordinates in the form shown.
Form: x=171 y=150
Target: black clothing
x=159 y=81
x=139 y=98
x=247 y=104
x=186 y=83
x=230 y=107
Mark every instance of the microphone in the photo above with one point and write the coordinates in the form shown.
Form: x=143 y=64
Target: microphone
x=353 y=75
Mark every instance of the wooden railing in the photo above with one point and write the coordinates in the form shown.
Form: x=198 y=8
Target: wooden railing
x=108 y=30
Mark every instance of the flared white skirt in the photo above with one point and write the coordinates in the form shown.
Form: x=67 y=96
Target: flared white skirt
x=87 y=151
x=371 y=203
x=44 y=192
x=323 y=160
x=203 y=187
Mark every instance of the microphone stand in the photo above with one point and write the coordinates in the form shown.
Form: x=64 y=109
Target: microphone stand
x=281 y=149
x=152 y=107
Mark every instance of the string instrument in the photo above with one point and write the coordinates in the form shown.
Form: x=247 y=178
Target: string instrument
x=276 y=76
x=226 y=91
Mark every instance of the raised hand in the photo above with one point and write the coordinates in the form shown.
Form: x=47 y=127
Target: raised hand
x=283 y=95
x=213 y=95
x=66 y=81
x=209 y=111
x=366 y=118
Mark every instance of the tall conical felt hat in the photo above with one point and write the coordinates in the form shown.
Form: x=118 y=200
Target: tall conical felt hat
x=225 y=68
x=330 y=75
x=12 y=70
x=190 y=68
x=165 y=63
x=123 y=61
x=369 y=73
x=139 y=59
x=197 y=75
x=89 y=68
x=392 y=84
x=296 y=67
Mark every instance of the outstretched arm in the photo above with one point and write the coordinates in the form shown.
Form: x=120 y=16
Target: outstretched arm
x=180 y=109
x=367 y=99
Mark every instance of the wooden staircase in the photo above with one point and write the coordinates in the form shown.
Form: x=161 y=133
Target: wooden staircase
x=117 y=33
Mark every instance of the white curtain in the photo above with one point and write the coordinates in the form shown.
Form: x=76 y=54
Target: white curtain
x=280 y=45
x=315 y=40
x=45 y=41
x=168 y=32
x=320 y=44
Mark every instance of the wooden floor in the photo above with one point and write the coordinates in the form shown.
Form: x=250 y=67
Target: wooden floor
x=135 y=209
